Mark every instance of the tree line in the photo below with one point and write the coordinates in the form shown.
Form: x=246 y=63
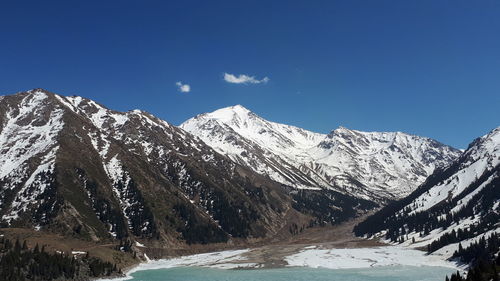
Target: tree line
x=20 y=263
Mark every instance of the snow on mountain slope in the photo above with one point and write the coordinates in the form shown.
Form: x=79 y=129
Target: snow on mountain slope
x=268 y=148
x=276 y=137
x=459 y=204
x=76 y=167
x=371 y=165
x=22 y=137
x=28 y=145
x=482 y=156
x=70 y=153
x=393 y=163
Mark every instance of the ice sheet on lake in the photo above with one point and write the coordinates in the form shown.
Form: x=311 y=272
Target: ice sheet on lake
x=222 y=260
x=308 y=257
x=364 y=257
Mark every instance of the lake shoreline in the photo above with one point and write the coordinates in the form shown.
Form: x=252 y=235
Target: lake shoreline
x=326 y=240
x=337 y=258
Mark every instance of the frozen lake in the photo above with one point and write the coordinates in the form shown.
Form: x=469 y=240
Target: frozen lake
x=383 y=273
x=311 y=263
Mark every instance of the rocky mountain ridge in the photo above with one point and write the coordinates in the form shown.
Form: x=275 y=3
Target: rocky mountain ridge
x=377 y=166
x=71 y=166
x=455 y=212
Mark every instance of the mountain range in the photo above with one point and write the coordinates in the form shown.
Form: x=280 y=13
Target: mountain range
x=72 y=166
x=376 y=166
x=455 y=213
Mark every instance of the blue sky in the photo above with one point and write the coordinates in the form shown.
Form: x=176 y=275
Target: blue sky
x=430 y=68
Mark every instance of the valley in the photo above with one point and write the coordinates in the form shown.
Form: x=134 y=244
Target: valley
x=128 y=189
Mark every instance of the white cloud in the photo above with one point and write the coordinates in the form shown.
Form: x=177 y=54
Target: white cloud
x=183 y=88
x=244 y=79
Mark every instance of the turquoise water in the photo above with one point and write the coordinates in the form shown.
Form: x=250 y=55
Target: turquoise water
x=389 y=273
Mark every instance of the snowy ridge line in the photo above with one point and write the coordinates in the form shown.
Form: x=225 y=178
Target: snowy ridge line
x=480 y=158
x=378 y=165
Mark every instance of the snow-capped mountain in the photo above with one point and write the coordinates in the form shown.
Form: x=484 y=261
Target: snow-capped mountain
x=453 y=209
x=371 y=165
x=268 y=148
x=70 y=165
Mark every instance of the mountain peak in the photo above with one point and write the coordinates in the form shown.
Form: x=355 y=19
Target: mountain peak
x=488 y=144
x=36 y=90
x=494 y=133
x=228 y=114
x=341 y=129
x=239 y=109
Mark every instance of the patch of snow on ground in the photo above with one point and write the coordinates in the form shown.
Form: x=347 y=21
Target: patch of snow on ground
x=365 y=257
x=78 y=253
x=222 y=260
